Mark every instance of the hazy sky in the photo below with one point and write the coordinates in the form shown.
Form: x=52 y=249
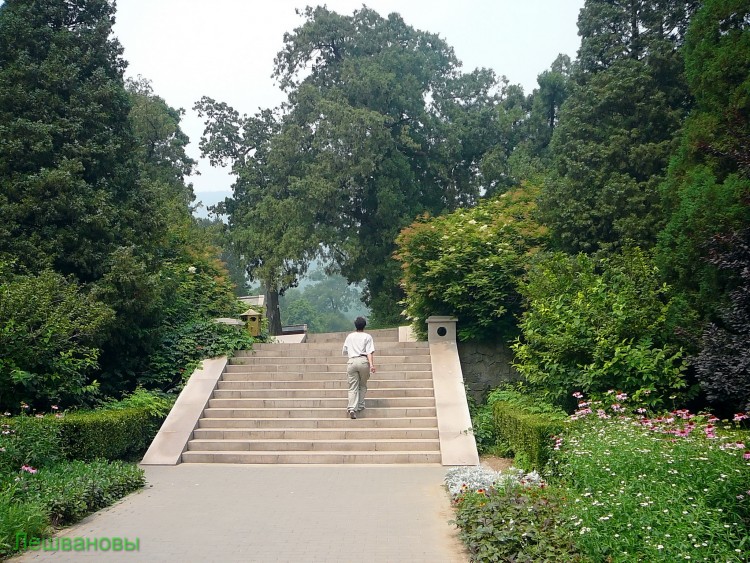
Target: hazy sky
x=225 y=48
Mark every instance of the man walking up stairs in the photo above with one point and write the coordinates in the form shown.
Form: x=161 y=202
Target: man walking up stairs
x=359 y=348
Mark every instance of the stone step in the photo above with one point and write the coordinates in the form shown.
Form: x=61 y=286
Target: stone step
x=302 y=412
x=339 y=421
x=382 y=335
x=338 y=383
x=275 y=350
x=312 y=457
x=337 y=360
x=316 y=402
x=274 y=393
x=351 y=445
x=241 y=373
x=286 y=403
x=348 y=433
x=382 y=368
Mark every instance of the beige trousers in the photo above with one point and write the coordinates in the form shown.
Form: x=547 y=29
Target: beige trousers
x=357 y=372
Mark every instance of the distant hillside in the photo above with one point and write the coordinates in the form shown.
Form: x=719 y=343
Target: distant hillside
x=207 y=199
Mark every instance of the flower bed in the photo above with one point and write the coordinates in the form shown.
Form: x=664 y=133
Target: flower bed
x=621 y=486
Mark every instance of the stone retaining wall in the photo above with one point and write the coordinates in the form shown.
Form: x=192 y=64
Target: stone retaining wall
x=485 y=366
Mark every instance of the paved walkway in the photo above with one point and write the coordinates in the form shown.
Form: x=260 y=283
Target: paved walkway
x=267 y=513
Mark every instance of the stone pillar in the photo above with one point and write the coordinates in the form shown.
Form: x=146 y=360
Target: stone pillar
x=457 y=443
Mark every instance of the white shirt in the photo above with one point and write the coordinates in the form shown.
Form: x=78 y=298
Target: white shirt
x=358 y=344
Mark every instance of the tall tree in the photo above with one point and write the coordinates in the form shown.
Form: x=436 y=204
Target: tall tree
x=617 y=128
x=272 y=233
x=68 y=194
x=379 y=127
x=707 y=191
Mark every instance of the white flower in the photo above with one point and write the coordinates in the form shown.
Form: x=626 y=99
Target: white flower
x=192 y=270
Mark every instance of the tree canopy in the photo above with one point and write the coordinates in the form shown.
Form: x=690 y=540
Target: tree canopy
x=380 y=126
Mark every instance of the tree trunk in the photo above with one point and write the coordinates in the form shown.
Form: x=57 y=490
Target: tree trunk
x=273 y=312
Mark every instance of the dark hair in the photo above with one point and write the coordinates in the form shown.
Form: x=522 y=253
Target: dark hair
x=360 y=323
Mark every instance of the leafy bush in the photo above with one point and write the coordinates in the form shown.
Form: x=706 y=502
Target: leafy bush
x=165 y=315
x=157 y=404
x=723 y=365
x=666 y=488
x=49 y=337
x=107 y=434
x=595 y=325
x=28 y=440
x=466 y=264
x=185 y=345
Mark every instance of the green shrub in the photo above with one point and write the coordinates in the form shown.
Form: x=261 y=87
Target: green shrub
x=107 y=434
x=595 y=325
x=185 y=345
x=528 y=434
x=28 y=440
x=155 y=403
x=467 y=264
x=49 y=340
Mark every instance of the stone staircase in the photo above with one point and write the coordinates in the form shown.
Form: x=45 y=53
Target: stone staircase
x=286 y=403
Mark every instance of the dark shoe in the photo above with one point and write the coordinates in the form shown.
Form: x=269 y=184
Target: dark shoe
x=352 y=414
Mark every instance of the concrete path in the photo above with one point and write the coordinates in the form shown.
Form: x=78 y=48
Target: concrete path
x=267 y=513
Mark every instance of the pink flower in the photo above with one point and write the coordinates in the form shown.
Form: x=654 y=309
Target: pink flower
x=740 y=417
x=24 y=406
x=28 y=469
x=621 y=396
x=578 y=395
x=746 y=456
x=617 y=408
x=713 y=419
x=54 y=407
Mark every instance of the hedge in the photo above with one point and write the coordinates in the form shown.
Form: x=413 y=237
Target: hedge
x=122 y=434
x=107 y=434
x=529 y=434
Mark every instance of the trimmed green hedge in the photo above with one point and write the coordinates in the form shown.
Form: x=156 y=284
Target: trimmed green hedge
x=116 y=434
x=529 y=434
x=107 y=434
